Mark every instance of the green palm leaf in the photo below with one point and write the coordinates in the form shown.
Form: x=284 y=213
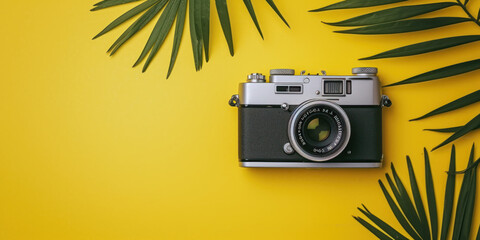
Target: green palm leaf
x=139 y=24
x=425 y=47
x=417 y=198
x=274 y=7
x=199 y=21
x=372 y=229
x=248 y=4
x=383 y=225
x=478 y=234
x=356 y=4
x=205 y=21
x=404 y=26
x=159 y=33
x=406 y=203
x=463 y=215
x=110 y=3
x=432 y=202
x=405 y=209
x=195 y=37
x=444 y=72
x=126 y=16
x=459 y=103
x=398 y=214
x=222 y=11
x=463 y=199
x=467 y=222
x=470 y=126
x=449 y=195
x=444 y=130
x=395 y=20
x=180 y=23
x=392 y=14
x=447 y=130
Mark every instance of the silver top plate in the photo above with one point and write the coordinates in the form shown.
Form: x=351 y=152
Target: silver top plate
x=363 y=90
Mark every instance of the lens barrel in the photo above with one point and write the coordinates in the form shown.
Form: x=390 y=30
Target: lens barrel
x=319 y=130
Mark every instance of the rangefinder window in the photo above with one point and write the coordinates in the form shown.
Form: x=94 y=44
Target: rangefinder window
x=332 y=87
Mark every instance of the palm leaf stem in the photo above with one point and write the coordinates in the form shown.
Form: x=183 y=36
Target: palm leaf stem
x=464 y=7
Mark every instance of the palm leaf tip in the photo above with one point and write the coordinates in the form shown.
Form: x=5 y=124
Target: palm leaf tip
x=425 y=47
x=456 y=104
x=110 y=3
x=431 y=200
x=404 y=26
x=128 y=15
x=223 y=16
x=251 y=11
x=347 y=4
x=180 y=24
x=470 y=126
x=449 y=71
x=392 y=14
x=274 y=7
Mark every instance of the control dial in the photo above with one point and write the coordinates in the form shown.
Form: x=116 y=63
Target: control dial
x=256 y=78
x=364 y=71
x=282 y=72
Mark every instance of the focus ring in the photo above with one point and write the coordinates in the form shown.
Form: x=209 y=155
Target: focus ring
x=310 y=108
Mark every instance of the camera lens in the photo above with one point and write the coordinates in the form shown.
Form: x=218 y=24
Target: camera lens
x=319 y=130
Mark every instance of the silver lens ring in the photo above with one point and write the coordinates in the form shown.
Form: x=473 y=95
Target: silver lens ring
x=301 y=114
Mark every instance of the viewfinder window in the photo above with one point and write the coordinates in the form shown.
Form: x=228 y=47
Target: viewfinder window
x=333 y=87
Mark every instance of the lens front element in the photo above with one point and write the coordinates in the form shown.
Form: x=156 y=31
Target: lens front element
x=319 y=130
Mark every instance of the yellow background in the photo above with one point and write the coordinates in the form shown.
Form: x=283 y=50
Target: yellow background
x=93 y=149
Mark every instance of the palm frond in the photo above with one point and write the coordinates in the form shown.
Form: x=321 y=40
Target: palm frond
x=401 y=19
x=274 y=7
x=356 y=4
x=195 y=36
x=417 y=197
x=159 y=33
x=385 y=227
x=425 y=47
x=110 y=3
x=406 y=203
x=449 y=197
x=470 y=126
x=398 y=213
x=171 y=11
x=392 y=14
x=432 y=202
x=459 y=103
x=379 y=234
x=404 y=26
x=444 y=130
x=126 y=16
x=449 y=71
x=429 y=229
x=463 y=201
x=222 y=11
x=138 y=25
x=478 y=234
x=249 y=6
x=205 y=22
x=180 y=24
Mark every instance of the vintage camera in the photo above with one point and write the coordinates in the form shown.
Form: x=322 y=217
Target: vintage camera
x=310 y=120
